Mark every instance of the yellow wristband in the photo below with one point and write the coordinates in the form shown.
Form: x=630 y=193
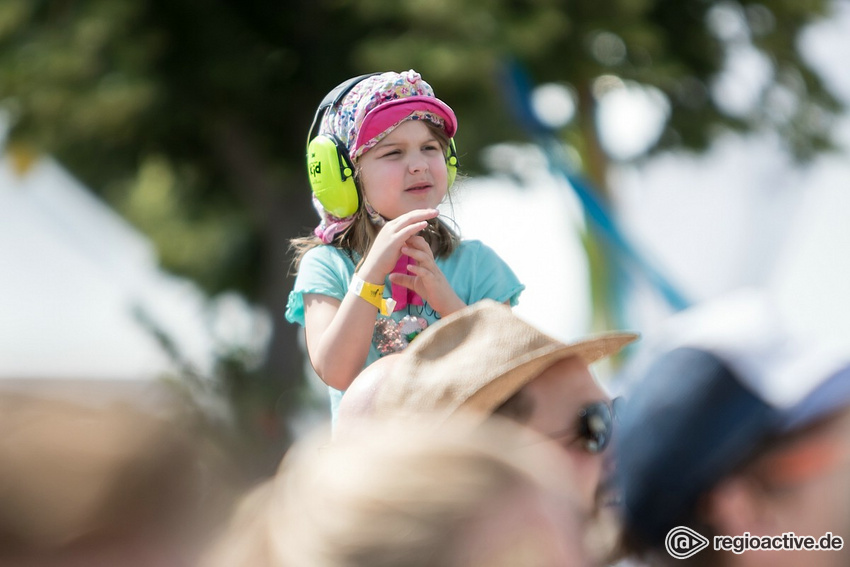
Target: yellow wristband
x=372 y=293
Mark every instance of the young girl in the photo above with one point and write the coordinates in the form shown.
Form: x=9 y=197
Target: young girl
x=381 y=266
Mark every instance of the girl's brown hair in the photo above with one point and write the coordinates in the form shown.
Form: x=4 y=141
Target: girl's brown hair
x=359 y=237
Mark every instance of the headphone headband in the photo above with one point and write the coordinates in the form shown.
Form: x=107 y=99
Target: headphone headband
x=342 y=89
x=332 y=99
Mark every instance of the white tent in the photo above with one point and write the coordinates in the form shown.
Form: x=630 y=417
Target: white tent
x=73 y=276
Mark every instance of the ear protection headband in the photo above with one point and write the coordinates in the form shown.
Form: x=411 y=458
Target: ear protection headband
x=329 y=166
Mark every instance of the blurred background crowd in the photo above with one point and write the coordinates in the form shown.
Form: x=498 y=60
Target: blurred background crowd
x=663 y=154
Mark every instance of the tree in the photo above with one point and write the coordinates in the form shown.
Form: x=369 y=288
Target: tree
x=190 y=117
x=679 y=47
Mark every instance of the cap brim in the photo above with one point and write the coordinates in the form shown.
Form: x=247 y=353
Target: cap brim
x=832 y=396
x=388 y=114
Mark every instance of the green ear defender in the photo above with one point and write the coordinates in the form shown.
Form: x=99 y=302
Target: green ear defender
x=451 y=161
x=332 y=177
x=329 y=167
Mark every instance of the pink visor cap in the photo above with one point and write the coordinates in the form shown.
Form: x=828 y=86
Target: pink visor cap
x=385 y=117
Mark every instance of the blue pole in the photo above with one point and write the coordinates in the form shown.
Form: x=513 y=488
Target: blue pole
x=519 y=94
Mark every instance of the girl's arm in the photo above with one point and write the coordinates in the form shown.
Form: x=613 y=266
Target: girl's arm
x=339 y=333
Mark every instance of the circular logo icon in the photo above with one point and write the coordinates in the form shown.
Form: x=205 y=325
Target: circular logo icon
x=683 y=542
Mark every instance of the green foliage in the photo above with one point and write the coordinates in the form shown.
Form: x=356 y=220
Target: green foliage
x=673 y=45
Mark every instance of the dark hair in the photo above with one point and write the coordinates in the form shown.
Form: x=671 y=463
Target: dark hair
x=632 y=546
x=519 y=407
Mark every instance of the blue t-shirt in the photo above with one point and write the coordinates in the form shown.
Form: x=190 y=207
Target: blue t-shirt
x=474 y=271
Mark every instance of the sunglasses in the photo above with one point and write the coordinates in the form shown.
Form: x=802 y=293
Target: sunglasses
x=595 y=425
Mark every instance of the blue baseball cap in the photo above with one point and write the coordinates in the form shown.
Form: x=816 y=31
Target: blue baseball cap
x=731 y=376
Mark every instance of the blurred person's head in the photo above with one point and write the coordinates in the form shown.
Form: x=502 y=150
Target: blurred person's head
x=94 y=485
x=797 y=482
x=485 y=360
x=404 y=494
x=740 y=426
x=243 y=541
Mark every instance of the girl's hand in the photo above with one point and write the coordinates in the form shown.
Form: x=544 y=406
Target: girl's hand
x=386 y=250
x=427 y=279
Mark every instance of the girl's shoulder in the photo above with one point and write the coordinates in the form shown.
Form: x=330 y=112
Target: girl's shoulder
x=471 y=244
x=473 y=247
x=328 y=255
x=476 y=271
x=468 y=252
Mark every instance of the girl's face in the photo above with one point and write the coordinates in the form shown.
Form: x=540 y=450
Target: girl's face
x=405 y=171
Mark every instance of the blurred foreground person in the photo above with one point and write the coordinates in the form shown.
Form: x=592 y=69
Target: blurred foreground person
x=406 y=495
x=94 y=486
x=484 y=360
x=740 y=432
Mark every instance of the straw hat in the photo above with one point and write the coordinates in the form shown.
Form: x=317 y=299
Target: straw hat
x=477 y=358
